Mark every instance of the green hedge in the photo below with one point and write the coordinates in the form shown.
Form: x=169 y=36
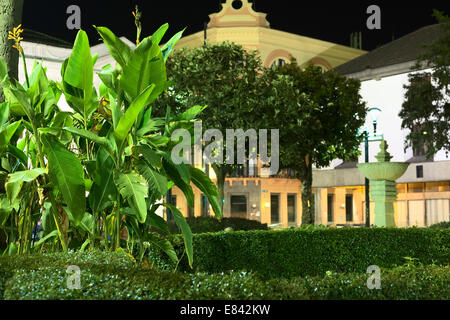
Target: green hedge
x=441 y=225
x=210 y=224
x=116 y=277
x=290 y=253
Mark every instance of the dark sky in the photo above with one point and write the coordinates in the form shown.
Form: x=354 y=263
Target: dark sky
x=326 y=20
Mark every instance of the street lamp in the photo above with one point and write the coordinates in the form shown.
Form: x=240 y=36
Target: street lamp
x=374 y=114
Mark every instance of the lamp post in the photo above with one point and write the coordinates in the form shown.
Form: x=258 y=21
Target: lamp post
x=374 y=115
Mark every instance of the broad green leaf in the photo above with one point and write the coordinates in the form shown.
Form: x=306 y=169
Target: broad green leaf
x=8 y=132
x=20 y=103
x=129 y=118
x=102 y=141
x=159 y=34
x=87 y=222
x=173 y=173
x=78 y=76
x=52 y=234
x=183 y=169
x=157 y=183
x=150 y=156
x=16 y=180
x=156 y=221
x=116 y=47
x=103 y=193
x=163 y=244
x=181 y=222
x=202 y=181
x=67 y=173
x=145 y=67
x=11 y=250
x=158 y=140
x=168 y=47
x=3 y=71
x=48 y=222
x=4 y=112
x=134 y=189
x=191 y=113
x=6 y=209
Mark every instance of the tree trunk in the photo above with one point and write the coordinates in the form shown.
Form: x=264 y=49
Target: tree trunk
x=308 y=212
x=10 y=17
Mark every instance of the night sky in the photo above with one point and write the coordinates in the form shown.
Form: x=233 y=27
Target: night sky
x=325 y=20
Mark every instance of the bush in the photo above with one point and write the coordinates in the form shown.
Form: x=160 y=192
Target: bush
x=115 y=276
x=441 y=225
x=290 y=253
x=210 y=224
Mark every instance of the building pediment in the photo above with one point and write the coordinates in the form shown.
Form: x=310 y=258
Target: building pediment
x=238 y=13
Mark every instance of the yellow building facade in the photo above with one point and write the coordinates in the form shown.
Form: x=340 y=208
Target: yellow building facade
x=272 y=200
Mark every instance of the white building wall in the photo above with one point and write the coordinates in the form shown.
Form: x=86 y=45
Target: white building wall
x=387 y=94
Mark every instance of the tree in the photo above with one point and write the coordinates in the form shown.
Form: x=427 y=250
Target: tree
x=426 y=110
x=10 y=17
x=318 y=117
x=223 y=77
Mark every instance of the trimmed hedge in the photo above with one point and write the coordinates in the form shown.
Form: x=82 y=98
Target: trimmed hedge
x=116 y=277
x=441 y=225
x=210 y=224
x=290 y=253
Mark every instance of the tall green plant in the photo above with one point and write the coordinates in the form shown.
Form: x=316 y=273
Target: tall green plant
x=110 y=147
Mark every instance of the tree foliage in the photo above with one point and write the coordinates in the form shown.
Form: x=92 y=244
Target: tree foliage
x=224 y=77
x=426 y=109
x=318 y=116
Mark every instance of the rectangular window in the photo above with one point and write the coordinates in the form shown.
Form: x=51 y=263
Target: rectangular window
x=330 y=208
x=349 y=207
x=238 y=205
x=419 y=171
x=275 y=208
x=415 y=187
x=292 y=208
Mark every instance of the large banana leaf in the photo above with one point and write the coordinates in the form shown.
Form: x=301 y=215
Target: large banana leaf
x=134 y=189
x=67 y=173
x=145 y=67
x=159 y=34
x=6 y=209
x=87 y=222
x=173 y=172
x=181 y=222
x=162 y=244
x=204 y=183
x=129 y=118
x=168 y=47
x=157 y=183
x=102 y=141
x=7 y=132
x=116 y=47
x=156 y=221
x=103 y=192
x=78 y=77
x=16 y=180
x=4 y=112
x=19 y=100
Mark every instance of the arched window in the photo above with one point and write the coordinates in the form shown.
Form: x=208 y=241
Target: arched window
x=278 y=62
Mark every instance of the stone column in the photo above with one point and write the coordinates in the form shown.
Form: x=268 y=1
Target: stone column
x=384 y=193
